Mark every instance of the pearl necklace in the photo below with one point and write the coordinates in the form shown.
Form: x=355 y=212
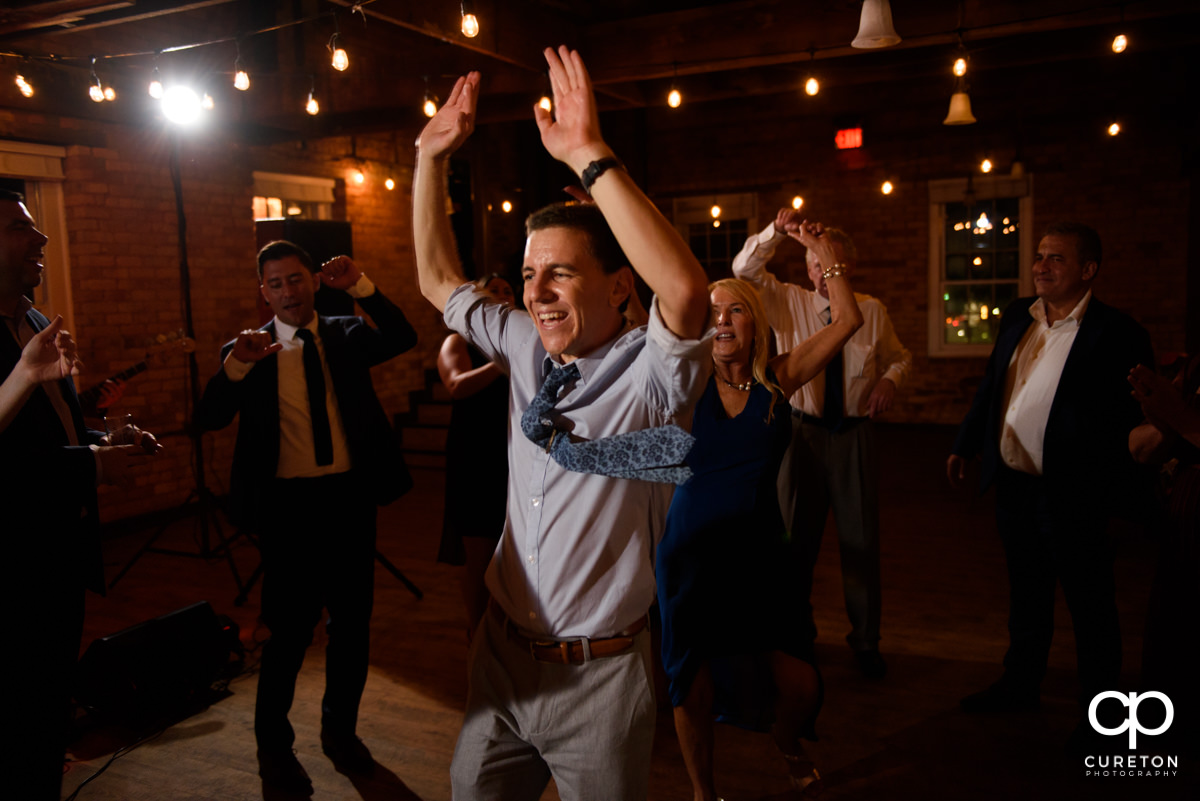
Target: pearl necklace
x=744 y=387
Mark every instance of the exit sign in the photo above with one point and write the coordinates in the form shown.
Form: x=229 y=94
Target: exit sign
x=849 y=138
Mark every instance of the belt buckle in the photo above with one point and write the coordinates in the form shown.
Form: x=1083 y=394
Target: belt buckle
x=563 y=647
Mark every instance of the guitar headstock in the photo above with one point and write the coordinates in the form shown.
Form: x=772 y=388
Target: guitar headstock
x=165 y=345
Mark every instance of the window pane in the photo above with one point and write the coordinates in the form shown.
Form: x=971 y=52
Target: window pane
x=1008 y=262
x=956 y=268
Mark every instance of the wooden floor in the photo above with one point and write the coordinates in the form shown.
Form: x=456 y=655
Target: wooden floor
x=900 y=738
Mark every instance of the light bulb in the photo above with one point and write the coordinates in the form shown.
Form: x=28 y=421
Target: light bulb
x=960 y=67
x=96 y=93
x=985 y=165
x=1120 y=42
x=24 y=86
x=206 y=102
x=886 y=188
x=181 y=105
x=155 y=89
x=506 y=206
x=470 y=26
x=1114 y=129
x=241 y=80
x=674 y=99
x=312 y=107
x=390 y=184
x=797 y=202
x=716 y=223
x=430 y=107
x=545 y=103
x=358 y=177
x=340 y=60
x=110 y=93
x=715 y=211
x=811 y=87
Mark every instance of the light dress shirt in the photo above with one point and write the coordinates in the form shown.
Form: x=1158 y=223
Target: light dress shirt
x=577 y=555
x=873 y=353
x=1032 y=381
x=297 y=454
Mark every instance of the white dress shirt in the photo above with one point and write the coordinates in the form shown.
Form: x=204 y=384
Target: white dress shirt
x=1032 y=381
x=577 y=555
x=873 y=353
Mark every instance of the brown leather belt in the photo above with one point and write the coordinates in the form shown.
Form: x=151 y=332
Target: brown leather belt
x=566 y=652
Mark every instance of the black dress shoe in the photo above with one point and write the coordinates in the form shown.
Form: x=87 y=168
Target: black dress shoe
x=1003 y=696
x=347 y=752
x=281 y=770
x=871 y=664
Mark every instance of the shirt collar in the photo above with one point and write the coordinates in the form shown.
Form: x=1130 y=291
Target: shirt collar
x=1038 y=310
x=286 y=333
x=588 y=365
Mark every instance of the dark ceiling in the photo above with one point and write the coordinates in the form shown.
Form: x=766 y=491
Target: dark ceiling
x=635 y=50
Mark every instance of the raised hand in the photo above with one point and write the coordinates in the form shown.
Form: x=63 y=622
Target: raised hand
x=254 y=346
x=572 y=133
x=787 y=221
x=812 y=236
x=50 y=354
x=454 y=121
x=340 y=272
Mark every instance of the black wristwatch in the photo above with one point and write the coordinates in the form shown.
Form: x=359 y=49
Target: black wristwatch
x=596 y=169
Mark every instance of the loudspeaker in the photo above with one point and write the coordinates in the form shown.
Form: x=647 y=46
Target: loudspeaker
x=323 y=239
x=157 y=666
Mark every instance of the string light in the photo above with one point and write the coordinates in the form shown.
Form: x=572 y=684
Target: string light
x=985 y=165
x=1114 y=128
x=506 y=206
x=797 y=202
x=960 y=67
x=181 y=105
x=110 y=93
x=155 y=89
x=715 y=211
x=24 y=86
x=674 y=97
x=207 y=103
x=545 y=103
x=358 y=176
x=1119 y=43
x=340 y=59
x=811 y=87
x=390 y=184
x=241 y=78
x=95 y=91
x=887 y=188
x=312 y=106
x=470 y=23
x=430 y=105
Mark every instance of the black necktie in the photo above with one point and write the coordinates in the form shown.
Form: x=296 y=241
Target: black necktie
x=652 y=454
x=314 y=377
x=835 y=402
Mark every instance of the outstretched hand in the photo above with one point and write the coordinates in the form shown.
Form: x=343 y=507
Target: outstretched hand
x=787 y=221
x=254 y=346
x=454 y=121
x=812 y=236
x=571 y=133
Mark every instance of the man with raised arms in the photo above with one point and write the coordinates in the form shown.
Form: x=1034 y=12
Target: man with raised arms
x=560 y=669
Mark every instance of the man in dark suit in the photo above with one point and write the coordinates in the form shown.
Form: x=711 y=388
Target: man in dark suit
x=315 y=454
x=1051 y=420
x=49 y=467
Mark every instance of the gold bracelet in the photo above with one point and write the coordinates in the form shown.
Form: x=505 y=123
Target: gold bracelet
x=836 y=271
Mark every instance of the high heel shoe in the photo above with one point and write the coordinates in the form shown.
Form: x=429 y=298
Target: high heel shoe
x=803 y=774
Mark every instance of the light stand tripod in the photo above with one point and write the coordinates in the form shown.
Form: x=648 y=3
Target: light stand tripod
x=204 y=510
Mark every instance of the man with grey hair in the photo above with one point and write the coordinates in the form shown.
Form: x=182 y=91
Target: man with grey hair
x=832 y=460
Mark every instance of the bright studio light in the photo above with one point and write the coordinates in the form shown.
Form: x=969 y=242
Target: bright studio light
x=181 y=105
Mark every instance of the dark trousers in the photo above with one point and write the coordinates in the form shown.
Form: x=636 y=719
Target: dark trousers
x=318 y=553
x=1049 y=540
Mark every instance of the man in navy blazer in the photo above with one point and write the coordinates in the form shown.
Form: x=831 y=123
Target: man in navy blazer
x=1051 y=420
x=49 y=467
x=314 y=456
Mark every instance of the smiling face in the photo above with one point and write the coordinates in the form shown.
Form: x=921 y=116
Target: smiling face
x=21 y=251
x=573 y=302
x=734 y=321
x=1059 y=277
x=289 y=289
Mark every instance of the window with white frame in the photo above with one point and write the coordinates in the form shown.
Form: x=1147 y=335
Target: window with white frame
x=303 y=197
x=715 y=228
x=39 y=168
x=980 y=245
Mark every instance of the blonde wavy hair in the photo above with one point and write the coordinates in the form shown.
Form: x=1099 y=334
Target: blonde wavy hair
x=745 y=293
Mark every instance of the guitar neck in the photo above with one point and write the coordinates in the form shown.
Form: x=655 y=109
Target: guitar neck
x=89 y=396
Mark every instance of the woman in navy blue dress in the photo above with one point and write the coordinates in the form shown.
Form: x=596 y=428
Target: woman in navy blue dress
x=734 y=644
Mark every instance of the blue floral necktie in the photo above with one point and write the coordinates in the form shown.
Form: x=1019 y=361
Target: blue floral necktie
x=652 y=454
